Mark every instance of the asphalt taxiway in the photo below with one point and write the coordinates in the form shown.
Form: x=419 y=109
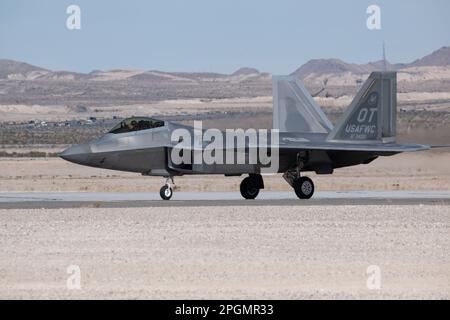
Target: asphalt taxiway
x=50 y=200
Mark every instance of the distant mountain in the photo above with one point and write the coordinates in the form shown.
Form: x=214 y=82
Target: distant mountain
x=379 y=65
x=39 y=86
x=63 y=75
x=11 y=69
x=245 y=71
x=438 y=58
x=319 y=67
x=336 y=66
x=148 y=76
x=15 y=70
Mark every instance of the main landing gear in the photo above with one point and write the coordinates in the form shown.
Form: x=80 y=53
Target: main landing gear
x=251 y=185
x=303 y=186
x=166 y=191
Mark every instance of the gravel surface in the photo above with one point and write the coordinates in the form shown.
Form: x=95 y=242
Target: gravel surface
x=226 y=252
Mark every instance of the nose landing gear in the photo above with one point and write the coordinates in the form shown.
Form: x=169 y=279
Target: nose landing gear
x=166 y=191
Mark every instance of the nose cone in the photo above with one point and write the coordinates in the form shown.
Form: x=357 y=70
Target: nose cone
x=79 y=153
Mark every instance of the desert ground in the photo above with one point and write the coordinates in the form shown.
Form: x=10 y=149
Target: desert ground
x=227 y=252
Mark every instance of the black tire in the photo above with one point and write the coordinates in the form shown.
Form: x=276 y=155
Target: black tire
x=166 y=192
x=304 y=188
x=248 y=190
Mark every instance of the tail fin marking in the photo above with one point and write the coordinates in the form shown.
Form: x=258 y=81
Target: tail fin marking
x=371 y=116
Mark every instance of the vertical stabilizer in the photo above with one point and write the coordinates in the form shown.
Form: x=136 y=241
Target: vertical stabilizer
x=294 y=110
x=372 y=115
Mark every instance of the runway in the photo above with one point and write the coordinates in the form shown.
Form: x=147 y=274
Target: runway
x=30 y=200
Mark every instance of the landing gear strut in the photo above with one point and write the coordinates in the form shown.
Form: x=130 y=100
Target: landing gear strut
x=166 y=191
x=251 y=185
x=303 y=186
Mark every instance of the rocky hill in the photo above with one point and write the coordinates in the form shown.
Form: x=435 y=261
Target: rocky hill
x=22 y=83
x=320 y=67
x=10 y=69
x=438 y=58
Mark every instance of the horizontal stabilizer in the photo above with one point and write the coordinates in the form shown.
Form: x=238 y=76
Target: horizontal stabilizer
x=357 y=146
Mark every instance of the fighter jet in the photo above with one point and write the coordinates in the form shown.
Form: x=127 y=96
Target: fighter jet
x=306 y=142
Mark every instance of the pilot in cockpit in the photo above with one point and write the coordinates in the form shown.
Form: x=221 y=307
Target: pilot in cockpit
x=133 y=126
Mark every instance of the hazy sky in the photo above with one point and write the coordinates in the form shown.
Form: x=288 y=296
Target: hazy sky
x=220 y=36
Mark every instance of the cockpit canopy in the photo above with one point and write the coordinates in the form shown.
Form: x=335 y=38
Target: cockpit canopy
x=136 y=124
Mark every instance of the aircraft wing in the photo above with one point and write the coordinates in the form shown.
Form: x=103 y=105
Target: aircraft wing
x=290 y=144
x=344 y=146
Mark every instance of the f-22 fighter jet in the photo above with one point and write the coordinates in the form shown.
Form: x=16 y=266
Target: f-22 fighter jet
x=306 y=141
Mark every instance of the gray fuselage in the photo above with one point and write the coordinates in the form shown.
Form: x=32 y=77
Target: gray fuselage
x=148 y=152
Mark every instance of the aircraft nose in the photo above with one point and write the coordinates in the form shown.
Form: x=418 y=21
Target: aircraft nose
x=79 y=153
